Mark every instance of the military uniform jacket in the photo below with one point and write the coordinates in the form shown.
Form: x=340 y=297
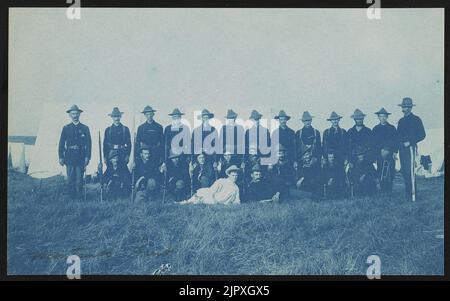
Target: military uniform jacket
x=286 y=137
x=363 y=168
x=178 y=172
x=117 y=137
x=169 y=134
x=258 y=191
x=410 y=128
x=308 y=139
x=148 y=170
x=121 y=176
x=233 y=138
x=75 y=144
x=336 y=139
x=257 y=132
x=199 y=136
x=309 y=171
x=361 y=138
x=206 y=170
x=284 y=171
x=151 y=135
x=334 y=172
x=385 y=136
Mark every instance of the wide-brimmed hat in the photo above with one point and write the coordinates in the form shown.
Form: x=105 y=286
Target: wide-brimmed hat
x=113 y=153
x=252 y=150
x=306 y=116
x=282 y=114
x=174 y=155
x=334 y=116
x=205 y=112
x=231 y=114
x=359 y=150
x=281 y=148
x=227 y=152
x=255 y=115
x=407 y=102
x=115 y=112
x=358 y=114
x=148 y=109
x=143 y=146
x=256 y=167
x=382 y=111
x=231 y=169
x=74 y=108
x=176 y=112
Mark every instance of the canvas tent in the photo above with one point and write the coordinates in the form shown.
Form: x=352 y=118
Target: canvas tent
x=44 y=161
x=16 y=156
x=29 y=149
x=433 y=146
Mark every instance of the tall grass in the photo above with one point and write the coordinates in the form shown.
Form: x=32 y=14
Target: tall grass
x=297 y=237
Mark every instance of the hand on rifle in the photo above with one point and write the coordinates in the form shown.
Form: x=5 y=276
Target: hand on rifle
x=192 y=168
x=61 y=162
x=295 y=165
x=276 y=197
x=406 y=144
x=163 y=168
x=378 y=184
x=384 y=153
x=300 y=182
x=361 y=178
x=219 y=166
x=270 y=167
x=330 y=181
x=243 y=165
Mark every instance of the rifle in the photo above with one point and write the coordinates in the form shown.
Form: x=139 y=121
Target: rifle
x=133 y=167
x=243 y=175
x=324 y=191
x=191 y=175
x=165 y=172
x=413 y=174
x=100 y=167
x=216 y=172
x=84 y=180
x=350 y=183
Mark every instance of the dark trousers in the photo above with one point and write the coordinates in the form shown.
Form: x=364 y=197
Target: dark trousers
x=75 y=180
x=407 y=170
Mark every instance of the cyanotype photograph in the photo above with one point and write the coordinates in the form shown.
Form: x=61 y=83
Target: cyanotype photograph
x=225 y=141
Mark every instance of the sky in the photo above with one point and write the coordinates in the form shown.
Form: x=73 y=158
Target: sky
x=318 y=60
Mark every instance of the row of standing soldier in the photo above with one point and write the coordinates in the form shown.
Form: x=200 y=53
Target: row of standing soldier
x=338 y=164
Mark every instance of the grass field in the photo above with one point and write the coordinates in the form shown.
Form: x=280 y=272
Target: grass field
x=301 y=237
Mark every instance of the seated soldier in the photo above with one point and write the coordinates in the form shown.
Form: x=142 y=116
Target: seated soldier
x=333 y=176
x=309 y=175
x=251 y=160
x=201 y=173
x=362 y=174
x=223 y=191
x=258 y=189
x=177 y=177
x=148 y=176
x=282 y=174
x=225 y=162
x=116 y=178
